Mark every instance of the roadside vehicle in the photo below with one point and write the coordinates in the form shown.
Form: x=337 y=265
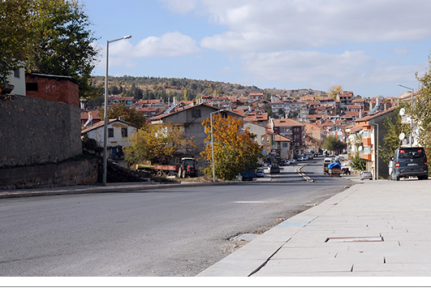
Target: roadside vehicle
x=274 y=168
x=187 y=168
x=292 y=161
x=246 y=176
x=366 y=175
x=287 y=162
x=326 y=162
x=259 y=172
x=411 y=161
x=309 y=155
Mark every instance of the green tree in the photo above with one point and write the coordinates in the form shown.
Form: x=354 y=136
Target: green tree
x=50 y=37
x=234 y=152
x=16 y=34
x=421 y=110
x=358 y=163
x=391 y=139
x=130 y=115
x=158 y=143
x=332 y=143
x=281 y=112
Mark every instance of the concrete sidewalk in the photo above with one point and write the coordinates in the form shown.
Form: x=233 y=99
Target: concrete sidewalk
x=377 y=228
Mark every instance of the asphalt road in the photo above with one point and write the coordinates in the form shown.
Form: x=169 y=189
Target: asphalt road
x=170 y=232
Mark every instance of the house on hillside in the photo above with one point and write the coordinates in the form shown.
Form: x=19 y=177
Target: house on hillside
x=118 y=137
x=290 y=129
x=189 y=119
x=345 y=98
x=89 y=118
x=256 y=96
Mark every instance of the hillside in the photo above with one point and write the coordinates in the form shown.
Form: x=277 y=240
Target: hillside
x=167 y=88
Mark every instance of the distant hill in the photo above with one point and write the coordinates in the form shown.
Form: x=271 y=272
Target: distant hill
x=164 y=88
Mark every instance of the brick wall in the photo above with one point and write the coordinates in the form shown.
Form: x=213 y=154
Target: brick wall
x=36 y=131
x=58 y=89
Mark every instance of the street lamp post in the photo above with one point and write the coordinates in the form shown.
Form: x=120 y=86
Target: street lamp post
x=105 y=130
x=212 y=141
x=411 y=116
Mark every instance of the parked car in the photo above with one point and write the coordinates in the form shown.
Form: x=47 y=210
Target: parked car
x=259 y=172
x=292 y=161
x=409 y=162
x=287 y=162
x=274 y=168
x=366 y=175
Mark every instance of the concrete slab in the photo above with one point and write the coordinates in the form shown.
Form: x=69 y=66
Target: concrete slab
x=231 y=268
x=283 y=267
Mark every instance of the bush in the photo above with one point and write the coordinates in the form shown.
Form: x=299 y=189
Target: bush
x=358 y=163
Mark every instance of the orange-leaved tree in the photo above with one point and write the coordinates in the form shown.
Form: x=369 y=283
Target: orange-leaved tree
x=235 y=150
x=158 y=143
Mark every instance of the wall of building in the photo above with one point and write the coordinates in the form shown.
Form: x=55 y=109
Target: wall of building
x=17 y=82
x=60 y=89
x=36 y=131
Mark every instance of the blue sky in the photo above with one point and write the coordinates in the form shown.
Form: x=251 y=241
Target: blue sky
x=365 y=46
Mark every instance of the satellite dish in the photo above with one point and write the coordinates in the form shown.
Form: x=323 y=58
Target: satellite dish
x=360 y=148
x=402 y=136
x=402 y=111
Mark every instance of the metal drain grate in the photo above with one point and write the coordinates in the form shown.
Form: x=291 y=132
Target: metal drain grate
x=355 y=239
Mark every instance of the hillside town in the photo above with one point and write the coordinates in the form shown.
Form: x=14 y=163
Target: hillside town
x=298 y=124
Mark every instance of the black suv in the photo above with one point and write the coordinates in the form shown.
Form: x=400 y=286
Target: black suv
x=409 y=162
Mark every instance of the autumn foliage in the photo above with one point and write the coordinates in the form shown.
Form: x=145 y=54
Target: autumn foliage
x=235 y=151
x=158 y=143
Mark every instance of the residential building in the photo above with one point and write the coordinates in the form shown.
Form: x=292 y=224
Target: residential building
x=56 y=88
x=256 y=96
x=290 y=129
x=119 y=132
x=373 y=132
x=345 y=98
x=17 y=79
x=189 y=119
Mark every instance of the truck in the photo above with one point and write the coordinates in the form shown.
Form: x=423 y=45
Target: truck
x=246 y=176
x=187 y=168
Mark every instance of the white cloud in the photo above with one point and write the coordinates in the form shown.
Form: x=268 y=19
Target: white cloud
x=180 y=6
x=322 y=69
x=254 y=25
x=169 y=44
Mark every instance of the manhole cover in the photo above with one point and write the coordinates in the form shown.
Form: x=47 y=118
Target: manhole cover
x=355 y=239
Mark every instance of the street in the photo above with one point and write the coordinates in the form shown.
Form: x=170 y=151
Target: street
x=169 y=232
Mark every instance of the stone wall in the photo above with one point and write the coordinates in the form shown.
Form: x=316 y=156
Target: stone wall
x=36 y=131
x=68 y=173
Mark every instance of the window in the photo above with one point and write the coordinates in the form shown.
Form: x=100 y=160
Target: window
x=124 y=132
x=16 y=73
x=196 y=113
x=111 y=132
x=31 y=87
x=285 y=145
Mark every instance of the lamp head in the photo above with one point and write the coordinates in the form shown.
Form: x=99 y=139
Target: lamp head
x=127 y=37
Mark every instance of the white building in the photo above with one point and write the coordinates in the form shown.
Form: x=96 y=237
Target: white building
x=17 y=79
x=118 y=136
